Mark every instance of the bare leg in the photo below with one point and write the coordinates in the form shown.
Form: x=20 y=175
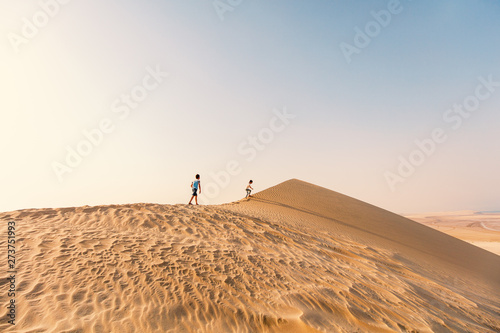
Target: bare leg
x=196 y=199
x=191 y=200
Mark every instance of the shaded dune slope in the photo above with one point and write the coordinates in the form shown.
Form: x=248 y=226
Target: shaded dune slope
x=295 y=258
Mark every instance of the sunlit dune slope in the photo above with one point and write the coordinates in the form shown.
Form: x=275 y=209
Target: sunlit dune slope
x=300 y=204
x=294 y=258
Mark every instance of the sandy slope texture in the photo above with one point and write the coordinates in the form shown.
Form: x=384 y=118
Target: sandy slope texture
x=477 y=228
x=295 y=258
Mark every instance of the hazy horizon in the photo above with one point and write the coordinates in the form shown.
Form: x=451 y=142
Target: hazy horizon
x=394 y=103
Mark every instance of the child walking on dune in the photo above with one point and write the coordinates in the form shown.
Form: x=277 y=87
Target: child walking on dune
x=249 y=189
x=195 y=185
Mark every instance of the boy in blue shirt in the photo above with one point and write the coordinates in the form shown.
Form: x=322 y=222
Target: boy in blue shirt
x=195 y=186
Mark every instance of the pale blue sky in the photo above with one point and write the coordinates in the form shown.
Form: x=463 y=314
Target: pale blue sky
x=352 y=120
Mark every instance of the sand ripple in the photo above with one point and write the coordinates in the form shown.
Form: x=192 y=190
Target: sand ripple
x=162 y=268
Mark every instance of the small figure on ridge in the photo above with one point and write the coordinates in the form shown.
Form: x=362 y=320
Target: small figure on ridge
x=249 y=188
x=195 y=185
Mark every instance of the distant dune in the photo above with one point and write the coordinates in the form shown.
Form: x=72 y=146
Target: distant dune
x=294 y=258
x=481 y=229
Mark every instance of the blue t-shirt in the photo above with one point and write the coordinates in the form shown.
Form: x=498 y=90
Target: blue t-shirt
x=196 y=183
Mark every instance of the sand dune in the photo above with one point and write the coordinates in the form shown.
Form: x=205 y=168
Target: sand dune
x=477 y=228
x=294 y=258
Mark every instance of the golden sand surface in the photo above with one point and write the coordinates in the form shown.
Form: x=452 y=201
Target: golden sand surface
x=293 y=258
x=477 y=228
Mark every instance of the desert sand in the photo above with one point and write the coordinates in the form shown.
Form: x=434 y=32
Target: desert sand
x=481 y=229
x=294 y=258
